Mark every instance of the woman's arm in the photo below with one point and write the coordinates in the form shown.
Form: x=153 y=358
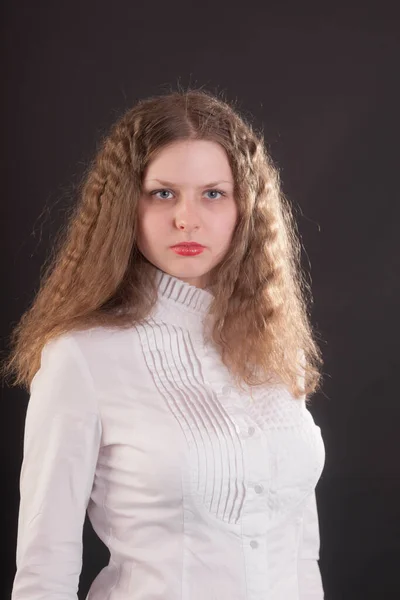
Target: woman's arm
x=310 y=583
x=61 y=445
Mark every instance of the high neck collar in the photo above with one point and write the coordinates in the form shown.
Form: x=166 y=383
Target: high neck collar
x=181 y=295
x=183 y=305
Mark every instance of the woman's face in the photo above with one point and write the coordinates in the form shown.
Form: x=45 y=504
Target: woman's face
x=188 y=183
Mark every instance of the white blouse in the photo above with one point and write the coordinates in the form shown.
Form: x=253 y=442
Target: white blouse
x=199 y=491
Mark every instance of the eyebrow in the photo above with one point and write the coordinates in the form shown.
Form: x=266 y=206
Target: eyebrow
x=170 y=184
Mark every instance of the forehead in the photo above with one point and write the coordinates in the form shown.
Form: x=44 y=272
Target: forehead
x=190 y=161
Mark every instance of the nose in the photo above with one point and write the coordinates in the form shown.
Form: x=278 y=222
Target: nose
x=186 y=216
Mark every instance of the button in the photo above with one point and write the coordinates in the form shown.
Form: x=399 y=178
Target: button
x=258 y=489
x=254 y=544
x=226 y=389
x=251 y=430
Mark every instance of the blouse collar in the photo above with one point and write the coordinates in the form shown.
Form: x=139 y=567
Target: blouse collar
x=180 y=303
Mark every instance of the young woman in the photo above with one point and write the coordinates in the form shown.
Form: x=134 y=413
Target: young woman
x=169 y=356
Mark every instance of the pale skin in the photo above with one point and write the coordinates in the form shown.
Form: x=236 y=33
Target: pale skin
x=187 y=196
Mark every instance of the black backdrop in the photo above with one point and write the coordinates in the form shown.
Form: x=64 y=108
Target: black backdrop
x=323 y=83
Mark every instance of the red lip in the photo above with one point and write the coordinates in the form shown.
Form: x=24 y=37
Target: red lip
x=188 y=245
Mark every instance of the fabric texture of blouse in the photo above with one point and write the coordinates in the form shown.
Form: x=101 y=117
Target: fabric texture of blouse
x=199 y=491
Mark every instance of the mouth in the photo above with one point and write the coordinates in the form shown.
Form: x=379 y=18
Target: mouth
x=188 y=245
x=188 y=249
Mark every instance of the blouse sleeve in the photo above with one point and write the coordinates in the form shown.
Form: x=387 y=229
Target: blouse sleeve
x=61 y=444
x=310 y=583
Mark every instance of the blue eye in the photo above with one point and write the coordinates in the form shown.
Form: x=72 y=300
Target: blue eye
x=218 y=192
x=160 y=192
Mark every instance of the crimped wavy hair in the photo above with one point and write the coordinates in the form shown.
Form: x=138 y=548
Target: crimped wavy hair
x=96 y=275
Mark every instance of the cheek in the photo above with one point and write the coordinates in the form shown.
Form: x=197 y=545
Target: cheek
x=225 y=225
x=149 y=225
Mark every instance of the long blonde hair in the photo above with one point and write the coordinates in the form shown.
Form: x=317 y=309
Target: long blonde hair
x=261 y=296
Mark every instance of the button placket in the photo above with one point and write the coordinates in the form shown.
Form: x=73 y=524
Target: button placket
x=226 y=390
x=255 y=520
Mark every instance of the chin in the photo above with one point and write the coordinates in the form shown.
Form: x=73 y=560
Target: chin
x=187 y=272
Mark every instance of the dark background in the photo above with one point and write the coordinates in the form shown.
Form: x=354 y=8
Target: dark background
x=323 y=83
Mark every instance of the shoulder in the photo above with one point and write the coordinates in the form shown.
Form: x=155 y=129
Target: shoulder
x=106 y=352
x=76 y=367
